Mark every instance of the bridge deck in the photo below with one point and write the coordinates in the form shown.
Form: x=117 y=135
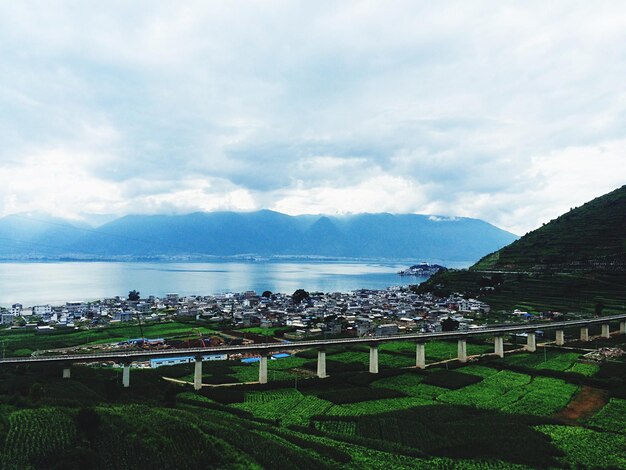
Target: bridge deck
x=265 y=348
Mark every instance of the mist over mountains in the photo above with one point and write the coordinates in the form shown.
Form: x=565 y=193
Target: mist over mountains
x=263 y=233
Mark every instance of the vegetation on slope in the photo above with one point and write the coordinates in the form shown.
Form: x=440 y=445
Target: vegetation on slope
x=590 y=237
x=536 y=292
x=576 y=262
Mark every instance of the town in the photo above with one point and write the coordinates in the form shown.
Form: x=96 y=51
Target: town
x=303 y=315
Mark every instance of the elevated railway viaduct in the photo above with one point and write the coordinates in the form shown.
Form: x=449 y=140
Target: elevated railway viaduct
x=265 y=349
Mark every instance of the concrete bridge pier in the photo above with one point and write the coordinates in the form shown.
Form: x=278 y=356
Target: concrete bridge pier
x=622 y=328
x=606 y=330
x=126 y=374
x=374 y=359
x=263 y=369
x=462 y=350
x=197 y=373
x=420 y=356
x=498 y=344
x=560 y=337
x=531 y=342
x=67 y=372
x=321 y=363
x=584 y=333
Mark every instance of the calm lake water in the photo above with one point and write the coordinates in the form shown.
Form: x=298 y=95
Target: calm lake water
x=55 y=283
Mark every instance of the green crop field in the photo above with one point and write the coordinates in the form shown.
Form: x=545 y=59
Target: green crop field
x=475 y=416
x=221 y=372
x=377 y=406
x=265 y=331
x=405 y=382
x=553 y=360
x=34 y=434
x=514 y=393
x=584 y=448
x=24 y=342
x=612 y=417
x=288 y=407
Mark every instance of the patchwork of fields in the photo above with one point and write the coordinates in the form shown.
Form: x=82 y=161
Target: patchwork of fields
x=492 y=414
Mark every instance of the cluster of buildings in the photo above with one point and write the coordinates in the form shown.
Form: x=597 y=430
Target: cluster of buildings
x=359 y=313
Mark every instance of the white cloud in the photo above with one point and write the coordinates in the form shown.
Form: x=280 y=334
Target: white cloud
x=492 y=110
x=379 y=194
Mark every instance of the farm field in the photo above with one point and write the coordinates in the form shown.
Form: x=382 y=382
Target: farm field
x=612 y=417
x=435 y=350
x=265 y=331
x=23 y=343
x=553 y=360
x=474 y=416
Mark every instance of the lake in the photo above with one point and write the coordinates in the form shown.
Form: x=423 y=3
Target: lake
x=55 y=283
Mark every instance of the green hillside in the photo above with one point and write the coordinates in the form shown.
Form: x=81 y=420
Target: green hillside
x=588 y=238
x=576 y=262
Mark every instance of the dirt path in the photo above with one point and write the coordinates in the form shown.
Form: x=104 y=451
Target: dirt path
x=584 y=405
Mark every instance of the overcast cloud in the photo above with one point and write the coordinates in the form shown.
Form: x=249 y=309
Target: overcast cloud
x=512 y=112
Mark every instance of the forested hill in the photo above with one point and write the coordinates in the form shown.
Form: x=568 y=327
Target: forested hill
x=588 y=238
x=576 y=263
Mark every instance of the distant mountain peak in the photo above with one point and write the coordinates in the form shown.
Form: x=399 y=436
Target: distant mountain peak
x=270 y=233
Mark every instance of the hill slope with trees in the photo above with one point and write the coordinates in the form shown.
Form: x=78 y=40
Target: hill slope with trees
x=587 y=238
x=576 y=262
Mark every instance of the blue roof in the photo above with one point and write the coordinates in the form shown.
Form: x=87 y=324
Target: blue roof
x=281 y=355
x=251 y=359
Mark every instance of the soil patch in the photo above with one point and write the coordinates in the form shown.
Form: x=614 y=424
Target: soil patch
x=587 y=402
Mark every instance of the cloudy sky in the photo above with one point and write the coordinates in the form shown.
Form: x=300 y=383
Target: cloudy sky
x=512 y=112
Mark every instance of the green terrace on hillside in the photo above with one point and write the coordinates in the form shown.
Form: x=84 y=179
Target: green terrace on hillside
x=537 y=292
x=589 y=238
x=575 y=263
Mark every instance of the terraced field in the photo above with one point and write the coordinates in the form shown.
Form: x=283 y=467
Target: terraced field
x=475 y=416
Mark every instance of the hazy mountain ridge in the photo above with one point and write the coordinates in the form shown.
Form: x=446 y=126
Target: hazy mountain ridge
x=262 y=233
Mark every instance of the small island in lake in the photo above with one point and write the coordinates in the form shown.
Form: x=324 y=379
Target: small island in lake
x=422 y=269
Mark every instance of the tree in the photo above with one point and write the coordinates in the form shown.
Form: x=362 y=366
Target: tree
x=599 y=307
x=36 y=391
x=87 y=422
x=134 y=295
x=267 y=294
x=449 y=324
x=299 y=295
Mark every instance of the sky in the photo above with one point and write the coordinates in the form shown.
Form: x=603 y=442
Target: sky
x=512 y=112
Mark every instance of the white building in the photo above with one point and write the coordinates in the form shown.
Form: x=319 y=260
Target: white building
x=42 y=310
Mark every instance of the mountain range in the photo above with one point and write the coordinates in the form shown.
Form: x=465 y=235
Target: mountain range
x=263 y=233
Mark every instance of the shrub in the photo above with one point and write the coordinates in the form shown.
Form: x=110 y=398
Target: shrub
x=224 y=395
x=451 y=379
x=87 y=422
